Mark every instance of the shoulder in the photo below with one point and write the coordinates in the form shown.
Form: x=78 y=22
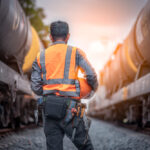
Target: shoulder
x=80 y=52
x=41 y=53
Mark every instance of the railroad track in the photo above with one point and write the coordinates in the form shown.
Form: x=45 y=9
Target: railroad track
x=9 y=131
x=133 y=127
x=4 y=133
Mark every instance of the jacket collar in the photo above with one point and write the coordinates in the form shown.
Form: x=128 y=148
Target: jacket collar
x=58 y=42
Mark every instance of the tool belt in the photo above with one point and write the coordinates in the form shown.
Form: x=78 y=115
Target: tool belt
x=57 y=107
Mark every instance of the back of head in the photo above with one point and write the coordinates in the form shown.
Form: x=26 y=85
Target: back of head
x=59 y=30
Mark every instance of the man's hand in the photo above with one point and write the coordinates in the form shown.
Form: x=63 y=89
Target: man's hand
x=73 y=111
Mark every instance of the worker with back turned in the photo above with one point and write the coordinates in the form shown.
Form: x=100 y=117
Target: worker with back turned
x=55 y=77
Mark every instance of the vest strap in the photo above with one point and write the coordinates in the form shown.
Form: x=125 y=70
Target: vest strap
x=67 y=62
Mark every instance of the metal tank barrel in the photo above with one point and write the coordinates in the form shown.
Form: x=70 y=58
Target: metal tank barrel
x=15 y=33
x=19 y=42
x=142 y=33
x=128 y=58
x=136 y=46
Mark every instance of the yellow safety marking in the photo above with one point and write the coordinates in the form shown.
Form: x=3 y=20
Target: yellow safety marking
x=130 y=62
x=125 y=93
x=33 y=51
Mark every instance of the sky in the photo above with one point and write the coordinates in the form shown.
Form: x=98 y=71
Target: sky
x=96 y=26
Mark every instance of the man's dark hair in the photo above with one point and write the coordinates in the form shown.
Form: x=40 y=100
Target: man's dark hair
x=59 y=29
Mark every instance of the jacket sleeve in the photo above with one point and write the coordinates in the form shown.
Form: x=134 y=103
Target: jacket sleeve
x=36 y=79
x=90 y=74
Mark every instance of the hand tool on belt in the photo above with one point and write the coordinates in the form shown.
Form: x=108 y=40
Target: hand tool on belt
x=69 y=112
x=78 y=116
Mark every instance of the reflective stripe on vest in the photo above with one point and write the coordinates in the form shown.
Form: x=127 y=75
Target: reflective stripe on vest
x=65 y=80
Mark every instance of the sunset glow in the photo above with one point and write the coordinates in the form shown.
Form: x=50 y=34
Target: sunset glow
x=96 y=26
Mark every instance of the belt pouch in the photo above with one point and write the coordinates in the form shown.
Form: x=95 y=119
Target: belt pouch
x=55 y=107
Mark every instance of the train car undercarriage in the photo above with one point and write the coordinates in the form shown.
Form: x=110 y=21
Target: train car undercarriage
x=17 y=104
x=131 y=104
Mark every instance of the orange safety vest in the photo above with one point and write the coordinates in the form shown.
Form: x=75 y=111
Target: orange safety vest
x=59 y=71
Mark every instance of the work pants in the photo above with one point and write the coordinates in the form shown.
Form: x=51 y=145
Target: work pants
x=55 y=131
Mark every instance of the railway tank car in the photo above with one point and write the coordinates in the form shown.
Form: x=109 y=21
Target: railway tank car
x=19 y=45
x=126 y=77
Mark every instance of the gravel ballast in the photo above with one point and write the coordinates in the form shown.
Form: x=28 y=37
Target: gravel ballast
x=104 y=136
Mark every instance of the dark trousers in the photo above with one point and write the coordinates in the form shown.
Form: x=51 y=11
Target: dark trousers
x=55 y=132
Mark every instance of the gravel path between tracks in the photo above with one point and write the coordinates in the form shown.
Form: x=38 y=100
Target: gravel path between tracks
x=104 y=137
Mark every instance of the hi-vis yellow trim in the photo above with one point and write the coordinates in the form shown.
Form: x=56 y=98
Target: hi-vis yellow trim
x=130 y=62
x=32 y=53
